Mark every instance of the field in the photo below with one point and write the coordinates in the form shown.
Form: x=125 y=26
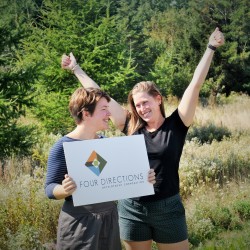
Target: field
x=214 y=175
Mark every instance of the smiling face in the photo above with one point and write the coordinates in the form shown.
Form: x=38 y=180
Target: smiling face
x=147 y=107
x=84 y=102
x=100 y=118
x=146 y=104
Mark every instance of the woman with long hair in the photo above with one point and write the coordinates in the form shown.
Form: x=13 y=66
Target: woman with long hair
x=159 y=217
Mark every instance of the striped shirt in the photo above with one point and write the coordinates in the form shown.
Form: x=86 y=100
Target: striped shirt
x=56 y=167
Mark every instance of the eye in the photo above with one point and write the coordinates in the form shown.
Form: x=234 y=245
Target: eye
x=105 y=108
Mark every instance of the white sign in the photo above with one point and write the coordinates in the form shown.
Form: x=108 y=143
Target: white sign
x=108 y=169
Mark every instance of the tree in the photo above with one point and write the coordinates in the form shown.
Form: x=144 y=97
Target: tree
x=15 y=90
x=131 y=18
x=231 y=71
x=177 y=43
x=89 y=31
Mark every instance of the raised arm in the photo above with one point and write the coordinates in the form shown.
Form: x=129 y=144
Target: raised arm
x=118 y=113
x=190 y=98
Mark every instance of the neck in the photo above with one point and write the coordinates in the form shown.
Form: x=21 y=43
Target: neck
x=152 y=126
x=82 y=133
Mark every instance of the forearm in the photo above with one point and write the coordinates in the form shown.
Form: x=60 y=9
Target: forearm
x=201 y=70
x=59 y=192
x=84 y=79
x=190 y=97
x=118 y=113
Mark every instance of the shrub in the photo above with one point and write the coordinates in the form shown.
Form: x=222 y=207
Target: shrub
x=27 y=218
x=243 y=209
x=40 y=151
x=216 y=164
x=26 y=237
x=234 y=240
x=220 y=211
x=16 y=139
x=199 y=230
x=221 y=217
x=206 y=134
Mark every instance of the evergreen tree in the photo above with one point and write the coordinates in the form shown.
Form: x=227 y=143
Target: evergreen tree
x=87 y=29
x=231 y=69
x=15 y=88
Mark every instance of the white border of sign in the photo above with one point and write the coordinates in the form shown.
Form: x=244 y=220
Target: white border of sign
x=123 y=176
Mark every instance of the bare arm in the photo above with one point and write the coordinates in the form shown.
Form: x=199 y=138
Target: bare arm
x=190 y=98
x=118 y=113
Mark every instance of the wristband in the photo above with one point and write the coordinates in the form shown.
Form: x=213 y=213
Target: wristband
x=211 y=47
x=73 y=69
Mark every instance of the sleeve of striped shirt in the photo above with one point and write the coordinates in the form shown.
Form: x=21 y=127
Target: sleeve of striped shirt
x=56 y=168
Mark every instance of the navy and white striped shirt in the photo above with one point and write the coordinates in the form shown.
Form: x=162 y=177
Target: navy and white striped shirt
x=56 y=167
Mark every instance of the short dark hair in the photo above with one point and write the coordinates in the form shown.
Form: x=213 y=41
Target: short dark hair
x=85 y=99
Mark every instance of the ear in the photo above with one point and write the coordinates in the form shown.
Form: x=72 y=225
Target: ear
x=159 y=99
x=85 y=114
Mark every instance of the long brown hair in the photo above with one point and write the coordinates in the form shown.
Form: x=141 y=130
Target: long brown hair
x=136 y=122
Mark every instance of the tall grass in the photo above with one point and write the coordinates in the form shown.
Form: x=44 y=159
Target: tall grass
x=232 y=112
x=215 y=164
x=27 y=218
x=219 y=214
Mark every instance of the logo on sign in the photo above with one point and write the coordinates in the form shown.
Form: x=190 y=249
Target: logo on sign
x=95 y=163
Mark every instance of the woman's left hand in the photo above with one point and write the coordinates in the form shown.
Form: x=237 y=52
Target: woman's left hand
x=217 y=38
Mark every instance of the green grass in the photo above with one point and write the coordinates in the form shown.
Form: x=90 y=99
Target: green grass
x=229 y=240
x=219 y=217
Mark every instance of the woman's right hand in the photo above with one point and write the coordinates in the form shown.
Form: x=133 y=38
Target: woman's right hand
x=118 y=113
x=68 y=184
x=68 y=62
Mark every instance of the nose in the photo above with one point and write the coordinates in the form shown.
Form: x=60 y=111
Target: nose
x=108 y=113
x=143 y=107
x=139 y=108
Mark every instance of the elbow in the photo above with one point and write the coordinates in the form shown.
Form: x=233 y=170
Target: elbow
x=49 y=191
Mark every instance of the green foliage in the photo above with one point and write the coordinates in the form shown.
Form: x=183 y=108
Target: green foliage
x=199 y=230
x=243 y=209
x=235 y=240
x=230 y=71
x=90 y=32
x=40 y=150
x=26 y=237
x=170 y=38
x=208 y=133
x=15 y=90
x=25 y=211
x=221 y=217
x=208 y=220
x=16 y=140
x=53 y=112
x=118 y=44
x=218 y=162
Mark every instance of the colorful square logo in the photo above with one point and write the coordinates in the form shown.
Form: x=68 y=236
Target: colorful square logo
x=95 y=163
